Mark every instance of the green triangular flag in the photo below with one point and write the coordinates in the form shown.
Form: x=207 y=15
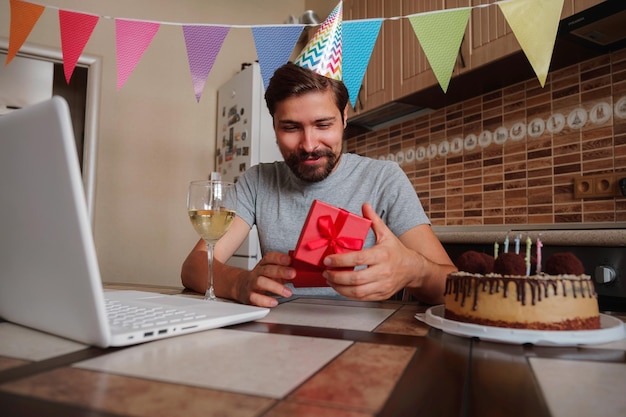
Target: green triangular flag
x=440 y=35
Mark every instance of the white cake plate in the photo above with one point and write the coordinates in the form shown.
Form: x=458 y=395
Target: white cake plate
x=611 y=330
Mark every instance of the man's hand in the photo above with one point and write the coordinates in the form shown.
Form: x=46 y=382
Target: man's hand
x=268 y=276
x=389 y=265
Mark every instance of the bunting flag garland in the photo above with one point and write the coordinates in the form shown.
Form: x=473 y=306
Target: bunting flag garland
x=274 y=45
x=24 y=16
x=132 y=38
x=358 y=42
x=340 y=50
x=203 y=44
x=322 y=54
x=440 y=35
x=534 y=23
x=76 y=29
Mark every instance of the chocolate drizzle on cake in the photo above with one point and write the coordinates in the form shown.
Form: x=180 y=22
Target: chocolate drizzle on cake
x=528 y=289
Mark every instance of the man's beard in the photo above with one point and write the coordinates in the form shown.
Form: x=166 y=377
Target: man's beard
x=312 y=173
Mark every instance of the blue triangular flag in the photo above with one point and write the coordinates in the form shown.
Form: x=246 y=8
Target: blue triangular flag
x=274 y=45
x=359 y=37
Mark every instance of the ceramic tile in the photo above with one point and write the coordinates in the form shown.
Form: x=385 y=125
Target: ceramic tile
x=591 y=146
x=404 y=322
x=268 y=365
x=335 y=317
x=581 y=388
x=23 y=343
x=7 y=363
x=290 y=409
x=122 y=395
x=362 y=378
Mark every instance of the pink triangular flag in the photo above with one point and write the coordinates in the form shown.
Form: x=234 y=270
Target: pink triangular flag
x=76 y=29
x=132 y=38
x=23 y=18
x=203 y=44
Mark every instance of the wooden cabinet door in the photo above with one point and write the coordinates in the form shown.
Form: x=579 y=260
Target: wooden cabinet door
x=376 y=88
x=492 y=38
x=398 y=66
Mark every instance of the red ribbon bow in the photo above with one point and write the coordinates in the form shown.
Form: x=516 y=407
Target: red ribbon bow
x=330 y=235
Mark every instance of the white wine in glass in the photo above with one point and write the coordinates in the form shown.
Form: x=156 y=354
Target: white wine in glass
x=211 y=206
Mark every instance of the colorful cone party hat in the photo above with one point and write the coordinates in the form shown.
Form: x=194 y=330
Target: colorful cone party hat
x=322 y=54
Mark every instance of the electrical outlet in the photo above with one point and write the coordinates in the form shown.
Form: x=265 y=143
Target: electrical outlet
x=597 y=186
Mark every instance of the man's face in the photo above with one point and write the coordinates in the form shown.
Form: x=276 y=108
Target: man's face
x=309 y=131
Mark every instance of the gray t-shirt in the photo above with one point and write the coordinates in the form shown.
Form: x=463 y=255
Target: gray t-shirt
x=272 y=197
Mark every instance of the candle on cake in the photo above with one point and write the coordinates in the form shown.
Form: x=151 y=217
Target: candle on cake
x=529 y=243
x=538 y=254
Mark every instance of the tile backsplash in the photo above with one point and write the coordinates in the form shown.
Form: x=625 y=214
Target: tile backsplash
x=510 y=157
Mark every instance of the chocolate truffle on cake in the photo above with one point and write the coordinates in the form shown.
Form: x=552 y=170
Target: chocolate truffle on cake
x=475 y=262
x=509 y=263
x=564 y=263
x=489 y=261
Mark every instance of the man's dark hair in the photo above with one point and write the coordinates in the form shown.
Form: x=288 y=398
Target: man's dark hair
x=291 y=80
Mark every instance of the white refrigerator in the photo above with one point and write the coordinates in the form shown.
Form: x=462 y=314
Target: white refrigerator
x=245 y=137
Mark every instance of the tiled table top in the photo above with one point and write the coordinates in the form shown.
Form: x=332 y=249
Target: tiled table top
x=310 y=357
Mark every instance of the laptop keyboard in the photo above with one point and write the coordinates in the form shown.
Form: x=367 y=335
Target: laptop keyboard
x=135 y=316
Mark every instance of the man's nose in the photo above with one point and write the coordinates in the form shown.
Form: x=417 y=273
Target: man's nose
x=309 y=140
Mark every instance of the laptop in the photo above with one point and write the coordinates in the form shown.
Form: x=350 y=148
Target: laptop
x=49 y=276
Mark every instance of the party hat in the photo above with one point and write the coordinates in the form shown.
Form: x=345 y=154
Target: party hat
x=322 y=54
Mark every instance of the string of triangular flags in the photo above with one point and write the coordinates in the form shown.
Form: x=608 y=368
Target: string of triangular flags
x=440 y=33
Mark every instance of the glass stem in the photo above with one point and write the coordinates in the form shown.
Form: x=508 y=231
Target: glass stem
x=210 y=293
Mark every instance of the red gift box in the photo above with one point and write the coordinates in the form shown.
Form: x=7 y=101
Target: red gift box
x=307 y=275
x=329 y=230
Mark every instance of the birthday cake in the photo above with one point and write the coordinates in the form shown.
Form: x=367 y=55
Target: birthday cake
x=562 y=298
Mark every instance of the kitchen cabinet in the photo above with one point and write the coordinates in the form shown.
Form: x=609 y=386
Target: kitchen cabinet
x=491 y=37
x=398 y=66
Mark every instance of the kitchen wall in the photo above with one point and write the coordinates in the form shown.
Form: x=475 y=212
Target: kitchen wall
x=153 y=137
x=509 y=158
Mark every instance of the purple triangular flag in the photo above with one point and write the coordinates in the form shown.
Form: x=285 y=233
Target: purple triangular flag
x=359 y=37
x=274 y=45
x=203 y=44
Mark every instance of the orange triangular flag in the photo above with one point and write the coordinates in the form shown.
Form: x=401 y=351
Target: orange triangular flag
x=23 y=18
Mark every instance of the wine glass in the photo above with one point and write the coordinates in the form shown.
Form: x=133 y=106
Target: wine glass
x=211 y=206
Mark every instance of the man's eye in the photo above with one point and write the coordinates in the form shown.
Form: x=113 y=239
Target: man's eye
x=324 y=125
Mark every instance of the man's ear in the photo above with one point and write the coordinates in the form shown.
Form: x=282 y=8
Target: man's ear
x=345 y=117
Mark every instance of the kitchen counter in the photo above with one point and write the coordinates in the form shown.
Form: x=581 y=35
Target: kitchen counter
x=601 y=236
x=310 y=357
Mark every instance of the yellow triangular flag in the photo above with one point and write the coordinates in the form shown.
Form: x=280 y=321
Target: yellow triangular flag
x=440 y=34
x=534 y=23
x=23 y=18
